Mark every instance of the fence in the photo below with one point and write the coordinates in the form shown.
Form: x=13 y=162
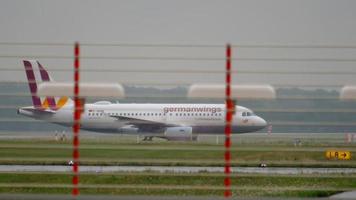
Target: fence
x=307 y=109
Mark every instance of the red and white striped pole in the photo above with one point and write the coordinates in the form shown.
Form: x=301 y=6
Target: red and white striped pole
x=229 y=111
x=78 y=108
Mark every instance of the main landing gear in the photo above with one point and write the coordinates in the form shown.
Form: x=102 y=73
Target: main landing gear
x=147 y=138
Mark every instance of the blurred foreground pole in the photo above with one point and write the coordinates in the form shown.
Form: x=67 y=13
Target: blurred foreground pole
x=78 y=109
x=86 y=90
x=229 y=110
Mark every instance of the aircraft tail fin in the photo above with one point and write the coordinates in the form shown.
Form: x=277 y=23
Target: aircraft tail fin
x=36 y=74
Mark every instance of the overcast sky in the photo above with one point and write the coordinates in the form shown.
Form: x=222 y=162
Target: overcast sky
x=182 y=22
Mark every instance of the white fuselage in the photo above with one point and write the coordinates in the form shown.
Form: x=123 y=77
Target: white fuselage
x=154 y=118
x=171 y=121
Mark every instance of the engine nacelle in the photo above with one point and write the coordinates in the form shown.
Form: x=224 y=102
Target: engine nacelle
x=128 y=130
x=181 y=133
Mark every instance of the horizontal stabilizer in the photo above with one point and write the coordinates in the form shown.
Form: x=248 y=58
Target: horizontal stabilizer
x=37 y=111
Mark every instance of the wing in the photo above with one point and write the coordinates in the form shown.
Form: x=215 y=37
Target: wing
x=145 y=125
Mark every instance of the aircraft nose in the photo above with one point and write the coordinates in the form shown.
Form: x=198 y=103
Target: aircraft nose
x=261 y=122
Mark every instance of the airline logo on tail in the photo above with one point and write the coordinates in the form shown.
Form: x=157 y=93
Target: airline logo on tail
x=41 y=74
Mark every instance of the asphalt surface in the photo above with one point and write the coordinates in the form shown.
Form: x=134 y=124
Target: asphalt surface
x=175 y=169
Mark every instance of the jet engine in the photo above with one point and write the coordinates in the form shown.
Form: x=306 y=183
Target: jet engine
x=128 y=129
x=181 y=133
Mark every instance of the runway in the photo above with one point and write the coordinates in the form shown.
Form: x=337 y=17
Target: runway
x=178 y=169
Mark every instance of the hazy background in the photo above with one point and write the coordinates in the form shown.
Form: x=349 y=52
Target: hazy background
x=181 y=22
x=126 y=25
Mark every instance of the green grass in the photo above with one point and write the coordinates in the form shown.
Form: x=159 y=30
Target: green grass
x=177 y=184
x=113 y=152
x=199 y=179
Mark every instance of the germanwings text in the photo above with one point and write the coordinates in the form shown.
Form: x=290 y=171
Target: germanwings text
x=189 y=109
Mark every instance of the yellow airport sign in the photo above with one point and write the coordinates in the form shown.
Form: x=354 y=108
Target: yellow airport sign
x=340 y=155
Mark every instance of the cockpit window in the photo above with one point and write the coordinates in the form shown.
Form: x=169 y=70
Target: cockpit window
x=247 y=114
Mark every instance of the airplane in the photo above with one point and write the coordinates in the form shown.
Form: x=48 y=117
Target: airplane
x=168 y=121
